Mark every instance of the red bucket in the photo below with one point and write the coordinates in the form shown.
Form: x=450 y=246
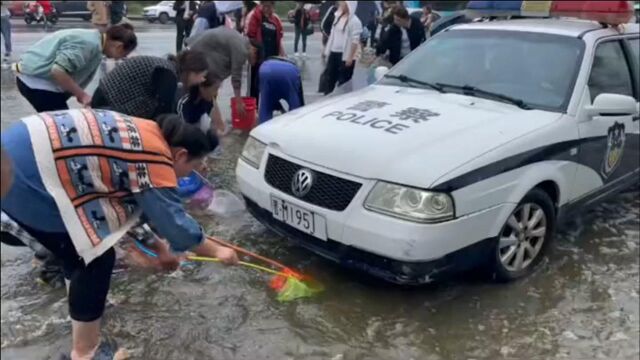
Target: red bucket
x=248 y=121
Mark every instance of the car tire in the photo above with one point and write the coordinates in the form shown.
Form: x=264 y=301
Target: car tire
x=525 y=237
x=163 y=18
x=151 y=21
x=28 y=20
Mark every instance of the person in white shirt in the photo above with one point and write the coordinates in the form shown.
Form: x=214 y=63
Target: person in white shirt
x=341 y=48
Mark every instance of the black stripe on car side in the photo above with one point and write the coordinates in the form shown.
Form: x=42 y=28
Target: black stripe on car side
x=605 y=192
x=557 y=151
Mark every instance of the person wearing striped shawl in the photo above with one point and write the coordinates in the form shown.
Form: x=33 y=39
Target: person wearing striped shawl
x=83 y=178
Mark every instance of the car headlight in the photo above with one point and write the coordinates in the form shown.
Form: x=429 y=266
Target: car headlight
x=410 y=203
x=253 y=152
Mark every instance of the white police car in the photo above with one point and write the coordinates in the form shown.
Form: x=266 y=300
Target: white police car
x=468 y=151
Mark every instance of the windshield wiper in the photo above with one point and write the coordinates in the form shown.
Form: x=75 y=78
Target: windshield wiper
x=408 y=80
x=472 y=90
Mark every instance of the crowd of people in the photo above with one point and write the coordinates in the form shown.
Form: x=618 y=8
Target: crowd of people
x=390 y=31
x=81 y=179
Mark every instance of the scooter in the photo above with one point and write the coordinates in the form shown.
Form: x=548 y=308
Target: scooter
x=34 y=12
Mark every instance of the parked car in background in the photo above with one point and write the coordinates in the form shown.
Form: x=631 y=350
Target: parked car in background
x=161 y=12
x=16 y=8
x=314 y=12
x=72 y=9
x=75 y=9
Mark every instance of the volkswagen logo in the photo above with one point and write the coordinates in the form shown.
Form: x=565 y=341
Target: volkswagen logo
x=302 y=183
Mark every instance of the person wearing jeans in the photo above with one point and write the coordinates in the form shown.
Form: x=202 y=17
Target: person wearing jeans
x=302 y=20
x=208 y=18
x=6 y=32
x=280 y=80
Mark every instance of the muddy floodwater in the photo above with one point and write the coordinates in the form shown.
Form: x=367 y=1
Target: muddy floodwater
x=582 y=303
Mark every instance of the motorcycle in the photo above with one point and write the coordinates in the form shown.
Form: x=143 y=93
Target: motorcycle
x=35 y=12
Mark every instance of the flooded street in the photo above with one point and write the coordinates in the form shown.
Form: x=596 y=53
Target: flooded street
x=583 y=303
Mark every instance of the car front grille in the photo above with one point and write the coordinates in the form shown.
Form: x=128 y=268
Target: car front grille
x=328 y=191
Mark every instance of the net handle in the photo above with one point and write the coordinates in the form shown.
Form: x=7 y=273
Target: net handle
x=150 y=253
x=249 y=253
x=245 y=251
x=243 y=263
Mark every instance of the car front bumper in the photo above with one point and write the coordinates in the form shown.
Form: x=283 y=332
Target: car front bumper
x=392 y=249
x=394 y=271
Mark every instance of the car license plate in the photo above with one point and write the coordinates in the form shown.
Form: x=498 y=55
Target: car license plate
x=301 y=219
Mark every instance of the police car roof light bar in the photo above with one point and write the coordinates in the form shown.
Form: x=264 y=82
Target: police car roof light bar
x=611 y=13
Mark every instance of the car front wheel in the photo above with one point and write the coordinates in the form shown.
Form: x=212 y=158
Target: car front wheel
x=525 y=237
x=163 y=18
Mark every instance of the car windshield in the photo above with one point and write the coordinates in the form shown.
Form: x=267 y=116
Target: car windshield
x=538 y=69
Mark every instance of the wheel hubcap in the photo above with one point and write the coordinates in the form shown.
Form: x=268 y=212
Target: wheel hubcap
x=522 y=237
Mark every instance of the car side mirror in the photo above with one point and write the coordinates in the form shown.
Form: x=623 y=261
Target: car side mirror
x=380 y=72
x=613 y=105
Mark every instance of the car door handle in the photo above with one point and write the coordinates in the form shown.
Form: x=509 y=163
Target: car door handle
x=635 y=118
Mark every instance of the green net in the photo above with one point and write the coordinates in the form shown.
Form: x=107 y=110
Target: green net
x=296 y=289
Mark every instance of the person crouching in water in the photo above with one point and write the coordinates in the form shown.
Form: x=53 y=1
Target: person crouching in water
x=146 y=86
x=279 y=80
x=62 y=64
x=82 y=180
x=199 y=107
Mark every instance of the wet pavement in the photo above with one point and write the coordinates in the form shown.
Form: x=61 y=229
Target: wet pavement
x=581 y=304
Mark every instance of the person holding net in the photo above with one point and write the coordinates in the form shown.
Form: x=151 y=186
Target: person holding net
x=109 y=169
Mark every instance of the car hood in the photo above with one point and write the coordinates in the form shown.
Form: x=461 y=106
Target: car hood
x=402 y=135
x=150 y=8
